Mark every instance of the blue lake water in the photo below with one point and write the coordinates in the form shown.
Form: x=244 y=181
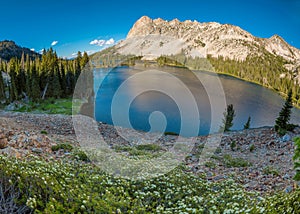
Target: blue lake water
x=156 y=101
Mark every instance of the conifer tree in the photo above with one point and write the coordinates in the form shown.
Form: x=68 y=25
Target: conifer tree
x=13 y=93
x=282 y=122
x=84 y=60
x=229 y=114
x=247 y=124
x=2 y=87
x=35 y=87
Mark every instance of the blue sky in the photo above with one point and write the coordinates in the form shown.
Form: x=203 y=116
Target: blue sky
x=75 y=24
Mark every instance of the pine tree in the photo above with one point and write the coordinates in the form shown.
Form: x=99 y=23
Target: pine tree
x=229 y=114
x=2 y=87
x=84 y=60
x=13 y=93
x=282 y=122
x=247 y=124
x=35 y=87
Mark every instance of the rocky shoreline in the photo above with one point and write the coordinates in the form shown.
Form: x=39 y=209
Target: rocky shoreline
x=258 y=159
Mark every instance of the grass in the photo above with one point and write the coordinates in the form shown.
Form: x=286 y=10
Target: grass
x=270 y=171
x=49 y=106
x=140 y=150
x=230 y=161
x=64 y=146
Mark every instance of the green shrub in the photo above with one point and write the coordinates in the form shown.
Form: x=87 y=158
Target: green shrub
x=76 y=187
x=229 y=161
x=296 y=158
x=210 y=164
x=232 y=145
x=149 y=147
x=218 y=150
x=80 y=155
x=171 y=133
x=252 y=148
x=44 y=132
x=270 y=171
x=65 y=146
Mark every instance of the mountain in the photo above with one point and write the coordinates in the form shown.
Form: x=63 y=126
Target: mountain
x=210 y=46
x=153 y=38
x=9 y=49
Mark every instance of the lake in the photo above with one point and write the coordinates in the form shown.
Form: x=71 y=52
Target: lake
x=165 y=99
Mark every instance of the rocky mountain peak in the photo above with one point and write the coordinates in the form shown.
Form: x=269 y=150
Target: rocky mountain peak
x=160 y=37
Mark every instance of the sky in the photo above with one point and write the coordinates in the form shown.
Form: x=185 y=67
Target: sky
x=91 y=25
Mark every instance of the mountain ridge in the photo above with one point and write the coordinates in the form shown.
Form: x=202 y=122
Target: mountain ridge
x=9 y=49
x=150 y=37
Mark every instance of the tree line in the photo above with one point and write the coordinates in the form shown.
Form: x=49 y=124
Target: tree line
x=47 y=76
x=266 y=69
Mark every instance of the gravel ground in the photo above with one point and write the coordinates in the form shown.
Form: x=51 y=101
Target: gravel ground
x=258 y=159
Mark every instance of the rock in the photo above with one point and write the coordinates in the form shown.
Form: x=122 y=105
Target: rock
x=286 y=137
x=3 y=143
x=286 y=176
x=288 y=189
x=219 y=177
x=11 y=152
x=37 y=150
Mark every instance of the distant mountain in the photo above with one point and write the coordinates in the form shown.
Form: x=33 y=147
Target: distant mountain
x=9 y=49
x=271 y=62
x=152 y=38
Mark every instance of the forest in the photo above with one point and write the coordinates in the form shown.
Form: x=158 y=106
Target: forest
x=43 y=77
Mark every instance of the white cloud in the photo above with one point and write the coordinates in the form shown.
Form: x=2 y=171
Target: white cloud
x=102 y=42
x=90 y=52
x=54 y=43
x=111 y=41
x=98 y=42
x=74 y=54
x=32 y=49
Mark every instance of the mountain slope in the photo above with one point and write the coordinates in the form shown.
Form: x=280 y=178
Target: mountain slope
x=9 y=49
x=152 y=38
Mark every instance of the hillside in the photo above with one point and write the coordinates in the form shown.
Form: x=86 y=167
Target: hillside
x=9 y=49
x=270 y=62
x=152 y=38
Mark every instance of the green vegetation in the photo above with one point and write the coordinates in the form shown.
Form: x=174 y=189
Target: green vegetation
x=252 y=148
x=171 y=133
x=230 y=161
x=233 y=145
x=296 y=158
x=180 y=60
x=109 y=58
x=80 y=155
x=264 y=70
x=130 y=61
x=282 y=122
x=229 y=114
x=144 y=150
x=149 y=147
x=64 y=146
x=9 y=49
x=44 y=132
x=49 y=106
x=270 y=171
x=210 y=164
x=41 y=186
x=247 y=124
x=36 y=79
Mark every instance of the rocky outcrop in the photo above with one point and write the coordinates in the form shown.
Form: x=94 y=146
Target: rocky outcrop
x=152 y=38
